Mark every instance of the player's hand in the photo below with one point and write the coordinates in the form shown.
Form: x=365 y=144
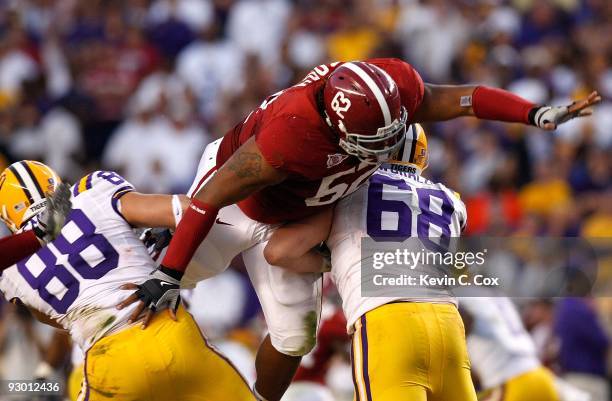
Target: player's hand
x=160 y=292
x=49 y=222
x=549 y=118
x=155 y=240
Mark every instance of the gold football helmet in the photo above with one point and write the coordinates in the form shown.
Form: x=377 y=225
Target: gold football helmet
x=414 y=154
x=23 y=189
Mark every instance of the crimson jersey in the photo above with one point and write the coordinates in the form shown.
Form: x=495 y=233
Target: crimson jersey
x=293 y=136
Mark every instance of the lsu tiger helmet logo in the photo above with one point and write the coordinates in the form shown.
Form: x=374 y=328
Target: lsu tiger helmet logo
x=414 y=154
x=23 y=189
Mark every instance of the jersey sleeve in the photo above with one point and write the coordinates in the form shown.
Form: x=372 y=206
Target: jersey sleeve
x=283 y=142
x=459 y=206
x=409 y=82
x=104 y=186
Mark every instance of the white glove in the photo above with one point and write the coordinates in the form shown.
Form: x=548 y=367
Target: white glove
x=547 y=117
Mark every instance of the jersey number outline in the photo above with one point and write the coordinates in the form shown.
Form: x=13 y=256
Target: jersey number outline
x=333 y=191
x=58 y=271
x=377 y=205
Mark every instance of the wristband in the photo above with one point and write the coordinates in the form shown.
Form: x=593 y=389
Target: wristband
x=197 y=221
x=177 y=210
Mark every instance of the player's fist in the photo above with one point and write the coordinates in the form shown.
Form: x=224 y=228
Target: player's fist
x=156 y=240
x=549 y=118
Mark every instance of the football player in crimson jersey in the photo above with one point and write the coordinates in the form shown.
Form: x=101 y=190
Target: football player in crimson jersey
x=301 y=151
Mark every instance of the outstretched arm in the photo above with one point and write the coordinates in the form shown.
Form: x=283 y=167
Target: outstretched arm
x=445 y=102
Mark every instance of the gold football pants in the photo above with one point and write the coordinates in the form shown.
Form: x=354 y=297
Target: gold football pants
x=536 y=385
x=409 y=351
x=168 y=361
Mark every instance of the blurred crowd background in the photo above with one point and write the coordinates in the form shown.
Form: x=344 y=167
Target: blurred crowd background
x=141 y=86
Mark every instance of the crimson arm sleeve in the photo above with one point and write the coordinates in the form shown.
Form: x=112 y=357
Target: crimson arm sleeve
x=16 y=247
x=500 y=105
x=197 y=221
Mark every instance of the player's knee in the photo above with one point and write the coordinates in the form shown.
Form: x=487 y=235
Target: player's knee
x=294 y=345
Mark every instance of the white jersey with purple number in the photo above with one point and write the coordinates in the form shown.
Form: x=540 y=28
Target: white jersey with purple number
x=75 y=279
x=392 y=206
x=499 y=346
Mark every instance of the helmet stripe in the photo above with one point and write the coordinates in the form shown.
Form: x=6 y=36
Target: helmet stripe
x=384 y=107
x=33 y=177
x=22 y=184
x=29 y=181
x=413 y=145
x=407 y=146
x=49 y=171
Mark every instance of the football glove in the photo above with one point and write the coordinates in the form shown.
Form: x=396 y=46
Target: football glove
x=548 y=117
x=48 y=223
x=162 y=290
x=156 y=240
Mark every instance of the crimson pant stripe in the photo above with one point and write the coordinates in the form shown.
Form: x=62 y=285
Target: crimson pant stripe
x=22 y=184
x=202 y=181
x=33 y=177
x=364 y=347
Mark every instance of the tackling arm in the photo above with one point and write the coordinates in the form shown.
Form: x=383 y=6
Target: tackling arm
x=243 y=174
x=293 y=245
x=445 y=102
x=144 y=210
